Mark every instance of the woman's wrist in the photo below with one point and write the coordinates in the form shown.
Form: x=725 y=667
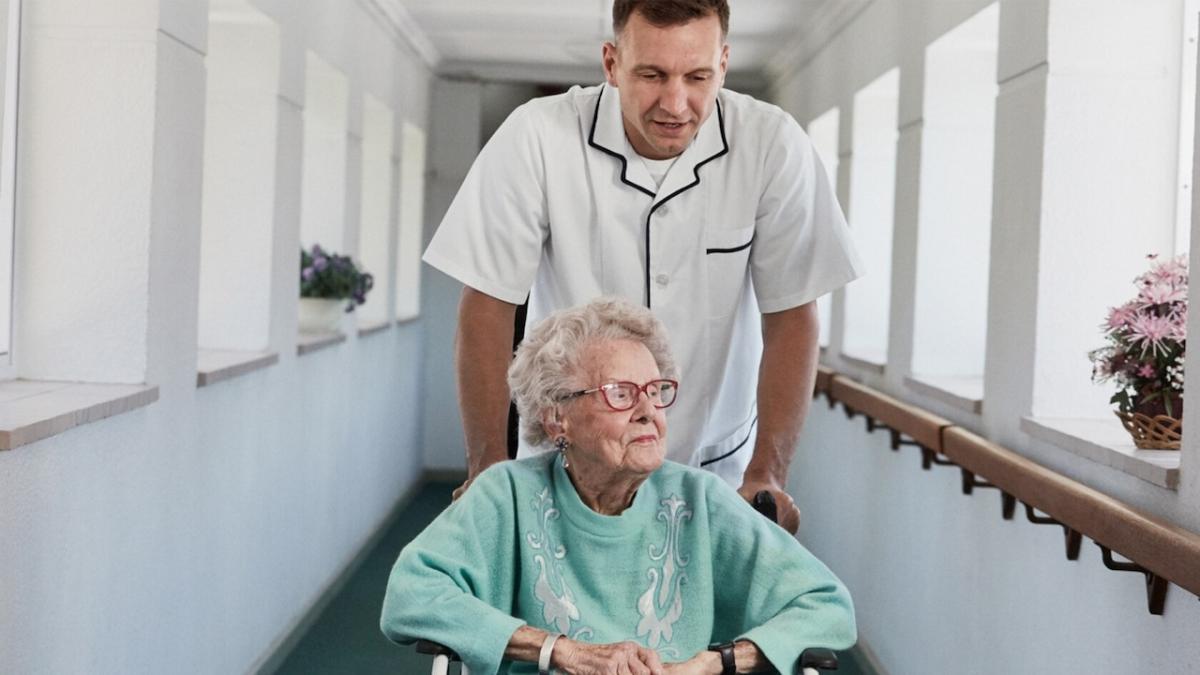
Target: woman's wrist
x=710 y=661
x=563 y=655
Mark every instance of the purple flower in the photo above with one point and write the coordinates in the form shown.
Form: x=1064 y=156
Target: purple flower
x=320 y=262
x=307 y=273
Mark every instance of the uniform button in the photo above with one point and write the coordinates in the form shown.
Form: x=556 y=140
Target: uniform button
x=664 y=210
x=662 y=280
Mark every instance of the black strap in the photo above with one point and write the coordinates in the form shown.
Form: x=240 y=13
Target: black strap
x=728 y=666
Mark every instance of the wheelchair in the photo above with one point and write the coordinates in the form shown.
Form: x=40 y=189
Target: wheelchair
x=811 y=660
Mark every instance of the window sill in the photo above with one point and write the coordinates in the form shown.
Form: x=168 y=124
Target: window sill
x=1106 y=442
x=311 y=342
x=217 y=365
x=371 y=327
x=864 y=364
x=964 y=393
x=32 y=410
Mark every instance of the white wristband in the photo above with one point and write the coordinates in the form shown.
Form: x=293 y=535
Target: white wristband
x=544 y=655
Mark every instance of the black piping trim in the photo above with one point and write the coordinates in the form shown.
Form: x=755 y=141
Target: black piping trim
x=696 y=173
x=732 y=250
x=624 y=164
x=739 y=445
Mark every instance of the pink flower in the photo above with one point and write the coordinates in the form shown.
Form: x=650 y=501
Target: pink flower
x=1147 y=370
x=1120 y=317
x=1151 y=331
x=1161 y=294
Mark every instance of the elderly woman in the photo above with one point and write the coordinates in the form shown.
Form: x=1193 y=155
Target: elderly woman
x=601 y=557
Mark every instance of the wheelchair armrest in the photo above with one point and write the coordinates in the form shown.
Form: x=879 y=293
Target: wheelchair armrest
x=821 y=659
x=429 y=647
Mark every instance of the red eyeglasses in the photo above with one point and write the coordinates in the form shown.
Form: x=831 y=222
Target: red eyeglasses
x=625 y=395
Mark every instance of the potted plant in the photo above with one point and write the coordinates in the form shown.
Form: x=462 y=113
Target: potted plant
x=1147 y=341
x=330 y=284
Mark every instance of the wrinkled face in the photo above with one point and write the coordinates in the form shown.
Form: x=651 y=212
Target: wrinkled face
x=608 y=442
x=668 y=79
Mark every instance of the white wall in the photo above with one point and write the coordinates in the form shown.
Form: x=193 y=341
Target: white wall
x=943 y=584
x=455 y=140
x=192 y=534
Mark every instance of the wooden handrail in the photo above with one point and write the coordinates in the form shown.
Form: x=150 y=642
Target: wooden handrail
x=1160 y=550
x=922 y=426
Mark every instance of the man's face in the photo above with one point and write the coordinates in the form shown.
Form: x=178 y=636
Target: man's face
x=669 y=78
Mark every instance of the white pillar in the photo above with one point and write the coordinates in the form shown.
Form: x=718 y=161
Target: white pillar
x=112 y=126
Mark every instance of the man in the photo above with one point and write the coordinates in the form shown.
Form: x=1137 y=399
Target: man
x=706 y=205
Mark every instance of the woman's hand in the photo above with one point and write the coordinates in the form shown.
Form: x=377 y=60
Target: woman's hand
x=704 y=663
x=618 y=658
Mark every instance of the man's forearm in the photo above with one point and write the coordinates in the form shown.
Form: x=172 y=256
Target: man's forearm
x=786 y=378
x=483 y=352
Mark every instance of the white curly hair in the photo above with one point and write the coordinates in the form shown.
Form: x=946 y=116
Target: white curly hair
x=548 y=364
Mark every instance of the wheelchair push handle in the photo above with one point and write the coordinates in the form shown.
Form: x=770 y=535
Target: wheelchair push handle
x=764 y=503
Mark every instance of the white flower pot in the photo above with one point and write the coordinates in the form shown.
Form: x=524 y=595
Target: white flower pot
x=320 y=315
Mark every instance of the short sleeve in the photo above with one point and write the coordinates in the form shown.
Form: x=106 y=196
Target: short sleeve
x=491 y=237
x=802 y=247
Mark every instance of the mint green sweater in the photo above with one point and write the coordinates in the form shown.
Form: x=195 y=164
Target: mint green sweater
x=689 y=563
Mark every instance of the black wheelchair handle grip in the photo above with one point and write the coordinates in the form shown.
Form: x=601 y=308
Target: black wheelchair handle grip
x=764 y=503
x=430 y=647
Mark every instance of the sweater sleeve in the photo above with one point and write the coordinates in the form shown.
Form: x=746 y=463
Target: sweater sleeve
x=453 y=584
x=771 y=590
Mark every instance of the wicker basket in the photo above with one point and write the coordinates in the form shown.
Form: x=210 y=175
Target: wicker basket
x=1152 y=433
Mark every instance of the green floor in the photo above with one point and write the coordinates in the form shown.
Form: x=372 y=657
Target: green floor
x=346 y=637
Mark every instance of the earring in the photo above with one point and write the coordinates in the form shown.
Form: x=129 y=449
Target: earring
x=561 y=444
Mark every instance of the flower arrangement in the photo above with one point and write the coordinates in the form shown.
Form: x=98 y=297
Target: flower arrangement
x=1147 y=341
x=327 y=275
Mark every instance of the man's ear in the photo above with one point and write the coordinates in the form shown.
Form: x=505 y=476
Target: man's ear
x=724 y=63
x=609 y=60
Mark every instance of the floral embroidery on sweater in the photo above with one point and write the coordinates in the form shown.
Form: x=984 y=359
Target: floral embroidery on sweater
x=662 y=603
x=559 y=610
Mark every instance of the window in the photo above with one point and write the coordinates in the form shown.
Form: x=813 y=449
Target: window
x=326 y=113
x=411 y=222
x=10 y=50
x=955 y=219
x=871 y=212
x=238 y=206
x=375 y=222
x=824 y=134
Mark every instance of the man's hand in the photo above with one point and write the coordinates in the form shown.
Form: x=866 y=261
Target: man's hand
x=477 y=466
x=788 y=514
x=785 y=383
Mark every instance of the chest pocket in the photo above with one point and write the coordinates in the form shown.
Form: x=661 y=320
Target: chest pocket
x=726 y=260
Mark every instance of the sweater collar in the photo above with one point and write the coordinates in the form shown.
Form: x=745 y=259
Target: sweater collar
x=567 y=499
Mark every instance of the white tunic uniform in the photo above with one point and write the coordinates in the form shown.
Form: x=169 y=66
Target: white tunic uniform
x=560 y=209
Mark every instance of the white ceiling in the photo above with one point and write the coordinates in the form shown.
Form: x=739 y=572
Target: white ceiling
x=559 y=40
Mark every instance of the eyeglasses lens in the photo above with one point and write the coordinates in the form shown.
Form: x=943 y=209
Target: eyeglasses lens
x=624 y=395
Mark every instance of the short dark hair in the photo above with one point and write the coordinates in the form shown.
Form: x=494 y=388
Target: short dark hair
x=669 y=12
